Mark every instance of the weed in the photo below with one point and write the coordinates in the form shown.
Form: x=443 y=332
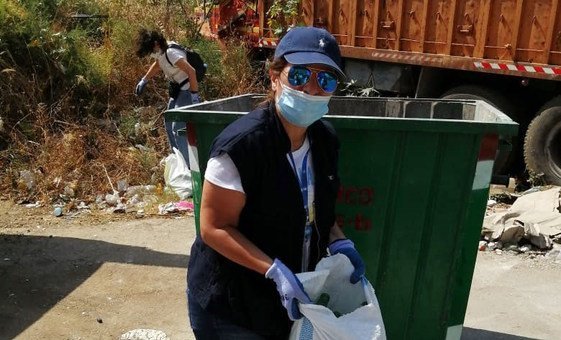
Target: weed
x=69 y=117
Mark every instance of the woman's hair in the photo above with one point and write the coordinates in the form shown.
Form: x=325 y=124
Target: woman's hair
x=276 y=66
x=145 y=42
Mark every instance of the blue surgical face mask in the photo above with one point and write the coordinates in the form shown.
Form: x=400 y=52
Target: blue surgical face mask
x=301 y=109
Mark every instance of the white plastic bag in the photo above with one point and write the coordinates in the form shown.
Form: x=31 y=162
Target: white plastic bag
x=361 y=319
x=177 y=175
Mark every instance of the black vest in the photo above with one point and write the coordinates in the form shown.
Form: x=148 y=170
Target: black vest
x=273 y=218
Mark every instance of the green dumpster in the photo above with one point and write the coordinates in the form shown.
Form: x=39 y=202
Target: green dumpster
x=415 y=177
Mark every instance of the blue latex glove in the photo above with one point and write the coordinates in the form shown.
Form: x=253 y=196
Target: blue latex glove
x=140 y=86
x=347 y=248
x=195 y=98
x=289 y=287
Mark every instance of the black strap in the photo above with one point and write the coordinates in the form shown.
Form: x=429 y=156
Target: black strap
x=172 y=65
x=183 y=82
x=167 y=58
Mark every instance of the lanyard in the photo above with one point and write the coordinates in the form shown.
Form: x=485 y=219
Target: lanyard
x=303 y=182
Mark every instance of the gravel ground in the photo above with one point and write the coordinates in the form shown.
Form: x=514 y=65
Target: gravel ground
x=100 y=276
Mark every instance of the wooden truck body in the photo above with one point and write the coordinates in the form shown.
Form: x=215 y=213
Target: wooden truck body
x=507 y=52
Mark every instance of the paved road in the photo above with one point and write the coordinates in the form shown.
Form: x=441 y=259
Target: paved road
x=86 y=281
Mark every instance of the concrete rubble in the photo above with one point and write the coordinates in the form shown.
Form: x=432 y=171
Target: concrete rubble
x=532 y=222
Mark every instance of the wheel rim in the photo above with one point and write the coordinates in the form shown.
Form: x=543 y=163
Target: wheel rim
x=553 y=149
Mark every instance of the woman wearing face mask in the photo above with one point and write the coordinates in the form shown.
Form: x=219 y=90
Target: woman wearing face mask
x=268 y=201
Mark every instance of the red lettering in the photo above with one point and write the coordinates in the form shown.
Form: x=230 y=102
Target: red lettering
x=366 y=196
x=362 y=223
x=348 y=195
x=363 y=196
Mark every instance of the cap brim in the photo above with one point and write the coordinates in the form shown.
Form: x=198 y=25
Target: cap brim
x=307 y=58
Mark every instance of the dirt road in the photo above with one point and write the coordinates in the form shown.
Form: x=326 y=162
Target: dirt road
x=99 y=277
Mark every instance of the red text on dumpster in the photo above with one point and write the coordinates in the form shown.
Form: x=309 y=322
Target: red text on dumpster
x=352 y=195
x=355 y=196
x=358 y=222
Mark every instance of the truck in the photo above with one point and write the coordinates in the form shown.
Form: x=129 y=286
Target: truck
x=505 y=52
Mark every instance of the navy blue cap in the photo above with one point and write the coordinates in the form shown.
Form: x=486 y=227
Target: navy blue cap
x=310 y=45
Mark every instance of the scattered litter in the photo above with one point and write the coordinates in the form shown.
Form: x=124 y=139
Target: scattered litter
x=82 y=206
x=524 y=249
x=171 y=207
x=112 y=199
x=177 y=175
x=33 y=205
x=185 y=206
x=144 y=334
x=491 y=203
x=534 y=217
x=143 y=148
x=120 y=208
x=167 y=208
x=140 y=190
x=482 y=245
x=57 y=212
x=122 y=185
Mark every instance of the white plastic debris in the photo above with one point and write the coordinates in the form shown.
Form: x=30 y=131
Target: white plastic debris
x=524 y=249
x=112 y=199
x=144 y=334
x=57 y=212
x=482 y=245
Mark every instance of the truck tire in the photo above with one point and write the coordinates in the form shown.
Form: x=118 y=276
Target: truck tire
x=505 y=158
x=542 y=144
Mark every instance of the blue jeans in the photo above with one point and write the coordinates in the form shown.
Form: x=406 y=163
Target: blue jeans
x=207 y=326
x=172 y=128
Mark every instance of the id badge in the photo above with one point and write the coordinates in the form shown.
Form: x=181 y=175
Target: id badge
x=306 y=247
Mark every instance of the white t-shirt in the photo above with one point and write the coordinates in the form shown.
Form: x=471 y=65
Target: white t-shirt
x=171 y=72
x=222 y=171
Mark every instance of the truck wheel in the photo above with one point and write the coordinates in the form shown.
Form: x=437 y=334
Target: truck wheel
x=542 y=145
x=505 y=158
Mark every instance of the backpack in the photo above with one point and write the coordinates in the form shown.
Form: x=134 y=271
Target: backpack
x=193 y=58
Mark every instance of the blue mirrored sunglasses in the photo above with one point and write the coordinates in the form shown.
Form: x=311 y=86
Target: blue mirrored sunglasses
x=299 y=75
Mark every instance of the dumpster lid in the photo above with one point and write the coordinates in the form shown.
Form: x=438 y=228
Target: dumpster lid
x=405 y=114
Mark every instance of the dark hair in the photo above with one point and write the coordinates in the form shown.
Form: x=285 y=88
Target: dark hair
x=145 y=42
x=276 y=66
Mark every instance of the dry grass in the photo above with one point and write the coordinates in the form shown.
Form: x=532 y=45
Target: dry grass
x=68 y=110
